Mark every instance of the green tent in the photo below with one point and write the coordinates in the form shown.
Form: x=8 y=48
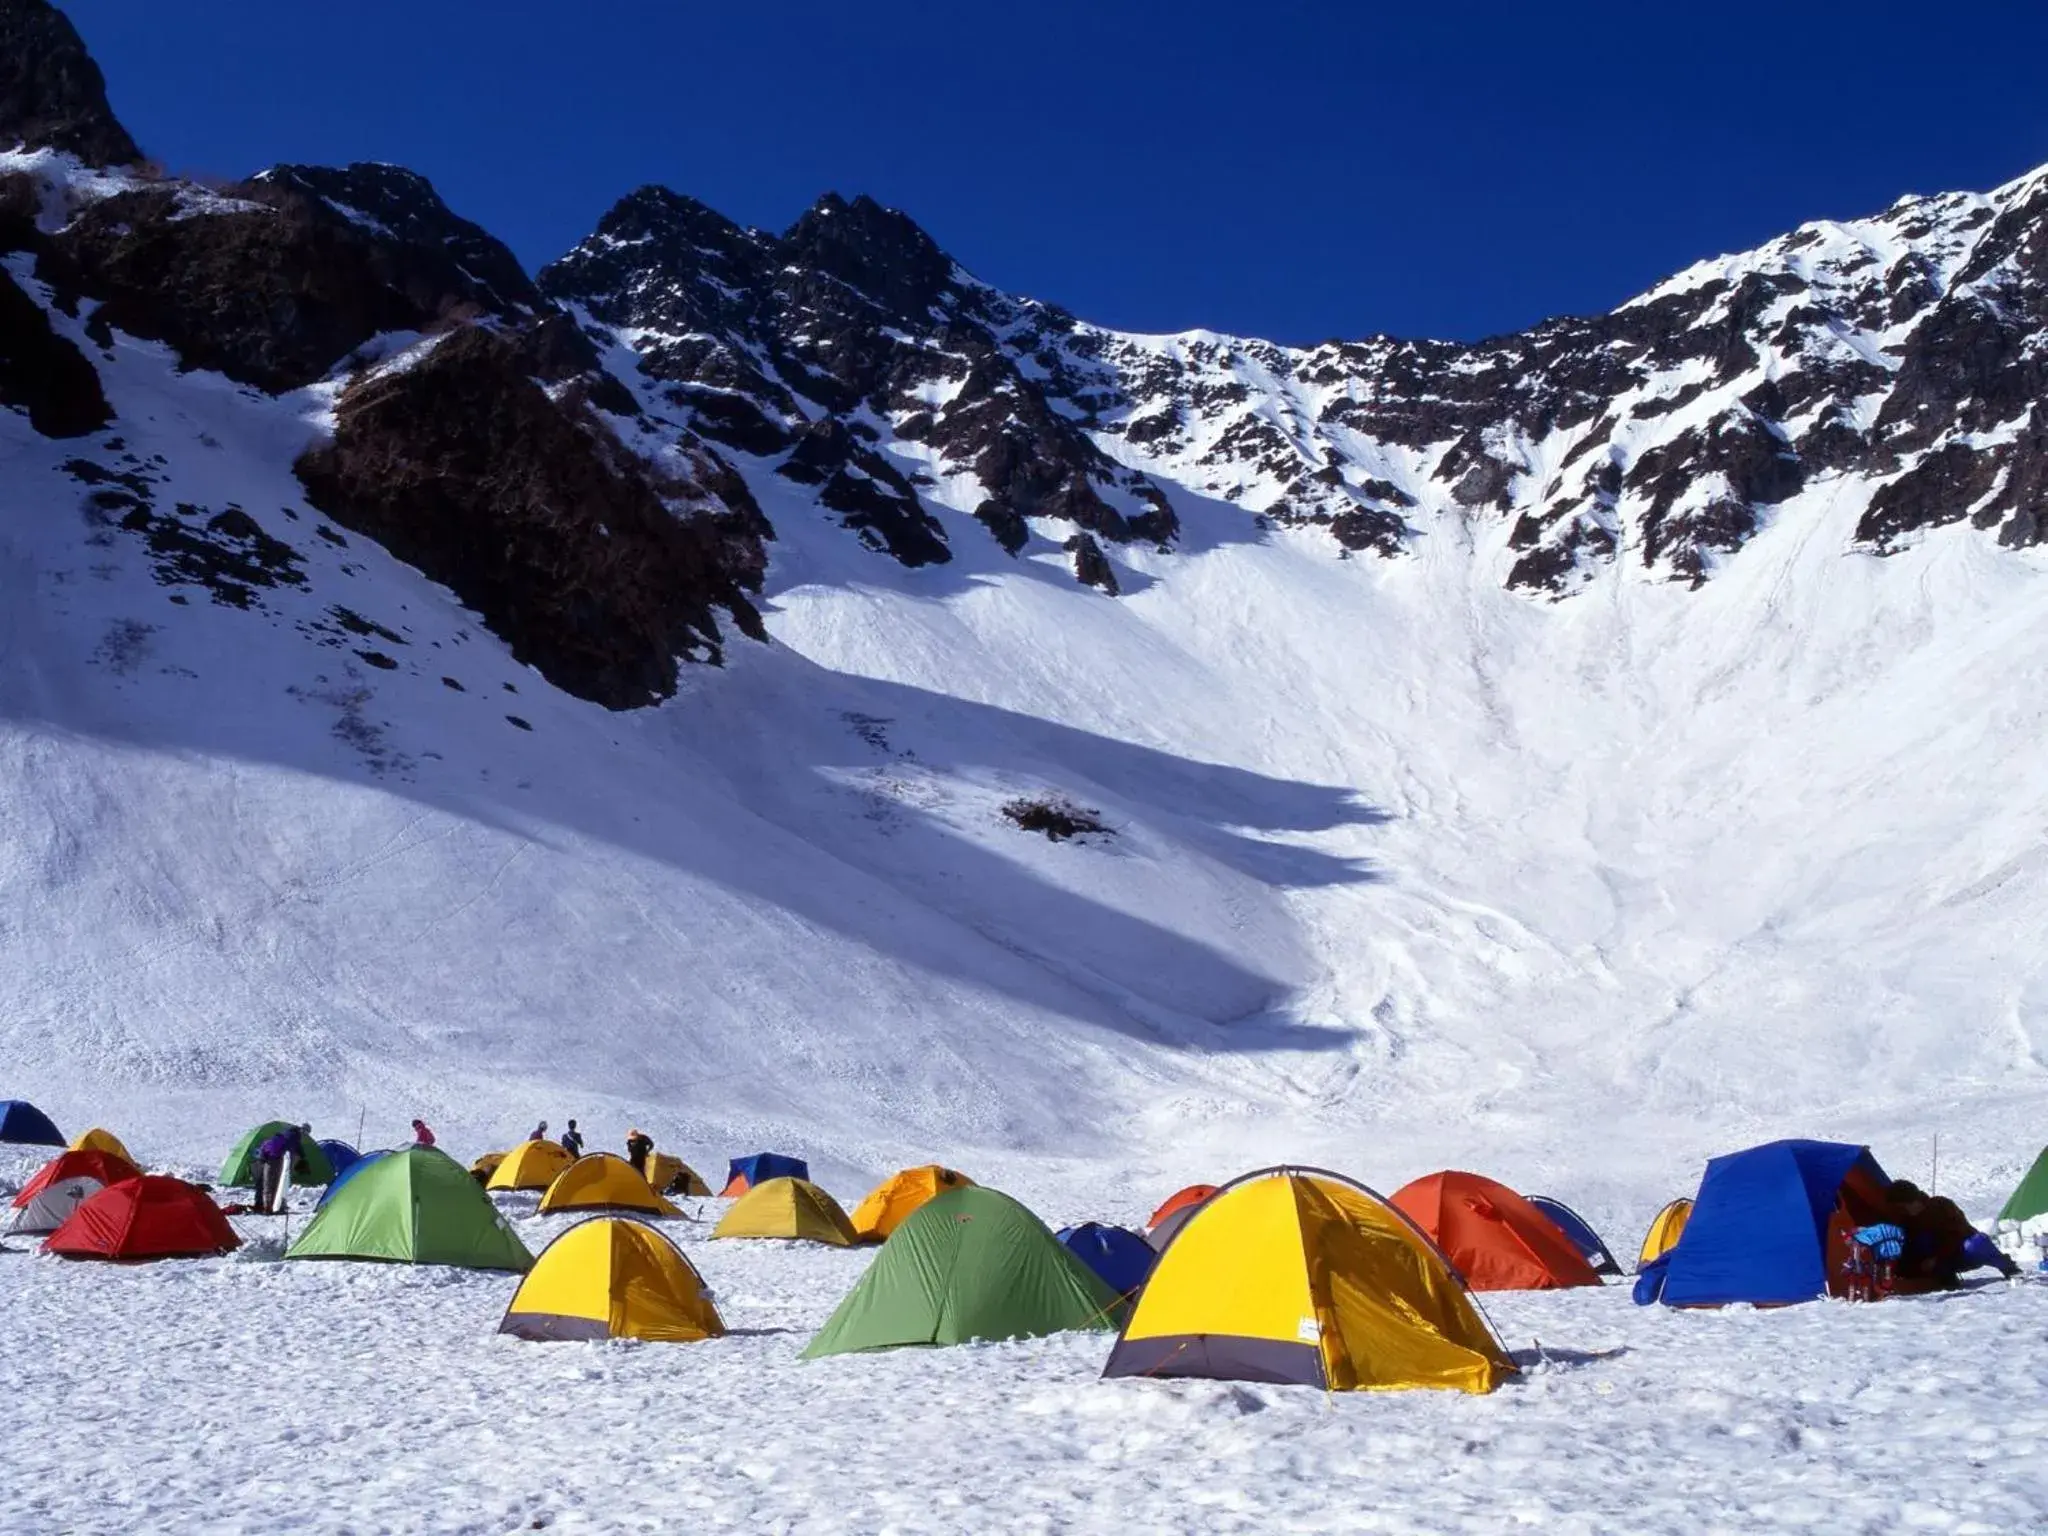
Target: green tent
x=418 y=1206
x=239 y=1171
x=970 y=1264
x=2031 y=1198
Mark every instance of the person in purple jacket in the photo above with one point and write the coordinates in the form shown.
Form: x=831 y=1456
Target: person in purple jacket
x=271 y=1153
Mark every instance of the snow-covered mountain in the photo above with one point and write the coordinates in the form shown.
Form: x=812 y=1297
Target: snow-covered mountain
x=429 y=689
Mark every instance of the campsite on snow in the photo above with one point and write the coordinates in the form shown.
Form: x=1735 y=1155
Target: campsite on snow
x=740 y=880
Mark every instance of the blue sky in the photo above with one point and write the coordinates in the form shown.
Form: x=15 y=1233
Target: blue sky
x=1285 y=169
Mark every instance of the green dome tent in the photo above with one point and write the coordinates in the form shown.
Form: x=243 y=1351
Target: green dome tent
x=239 y=1171
x=969 y=1264
x=2031 y=1198
x=418 y=1206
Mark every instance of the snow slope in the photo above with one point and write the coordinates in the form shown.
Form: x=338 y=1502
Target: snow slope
x=1408 y=869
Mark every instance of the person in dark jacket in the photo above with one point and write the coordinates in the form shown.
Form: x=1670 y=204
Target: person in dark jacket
x=271 y=1153
x=1940 y=1241
x=572 y=1140
x=639 y=1147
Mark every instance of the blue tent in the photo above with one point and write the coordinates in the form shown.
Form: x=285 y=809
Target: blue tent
x=343 y=1172
x=1120 y=1258
x=22 y=1122
x=339 y=1155
x=1759 y=1226
x=1579 y=1231
x=762 y=1167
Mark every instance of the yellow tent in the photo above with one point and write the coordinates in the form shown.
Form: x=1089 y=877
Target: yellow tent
x=99 y=1140
x=672 y=1176
x=787 y=1208
x=602 y=1182
x=1664 y=1230
x=891 y=1202
x=485 y=1166
x=530 y=1165
x=612 y=1279
x=1294 y=1275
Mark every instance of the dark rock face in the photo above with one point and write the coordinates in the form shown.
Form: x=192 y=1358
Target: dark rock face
x=52 y=95
x=277 y=282
x=444 y=253
x=43 y=373
x=794 y=348
x=571 y=549
x=483 y=459
x=1091 y=565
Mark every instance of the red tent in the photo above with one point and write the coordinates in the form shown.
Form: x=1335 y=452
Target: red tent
x=151 y=1217
x=1180 y=1200
x=54 y=1195
x=1493 y=1237
x=90 y=1163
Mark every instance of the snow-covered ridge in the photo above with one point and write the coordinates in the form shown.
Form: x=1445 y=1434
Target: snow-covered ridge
x=1652 y=442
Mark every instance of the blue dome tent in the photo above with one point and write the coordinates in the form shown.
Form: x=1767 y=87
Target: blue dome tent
x=1121 y=1259
x=1770 y=1226
x=1580 y=1231
x=743 y=1173
x=21 y=1121
x=346 y=1171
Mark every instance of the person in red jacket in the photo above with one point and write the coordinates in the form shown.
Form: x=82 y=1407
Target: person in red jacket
x=421 y=1136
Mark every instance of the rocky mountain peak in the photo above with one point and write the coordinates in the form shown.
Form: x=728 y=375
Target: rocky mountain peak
x=391 y=202
x=52 y=95
x=880 y=252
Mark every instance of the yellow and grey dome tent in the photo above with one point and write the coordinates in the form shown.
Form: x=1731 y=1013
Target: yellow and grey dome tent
x=482 y=1169
x=602 y=1182
x=794 y=1208
x=1664 y=1230
x=530 y=1165
x=672 y=1176
x=893 y=1201
x=100 y=1139
x=1297 y=1275
x=613 y=1279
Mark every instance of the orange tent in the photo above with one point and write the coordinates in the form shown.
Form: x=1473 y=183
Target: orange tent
x=1194 y=1194
x=1493 y=1237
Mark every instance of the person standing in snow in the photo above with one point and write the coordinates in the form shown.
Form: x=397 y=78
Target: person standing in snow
x=271 y=1154
x=639 y=1147
x=421 y=1136
x=539 y=1132
x=572 y=1140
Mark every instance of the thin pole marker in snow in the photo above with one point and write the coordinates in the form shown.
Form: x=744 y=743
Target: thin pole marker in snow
x=1934 y=1166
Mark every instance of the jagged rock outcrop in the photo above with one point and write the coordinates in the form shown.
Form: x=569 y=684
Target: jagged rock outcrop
x=52 y=95
x=44 y=373
x=856 y=355
x=276 y=282
x=586 y=565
